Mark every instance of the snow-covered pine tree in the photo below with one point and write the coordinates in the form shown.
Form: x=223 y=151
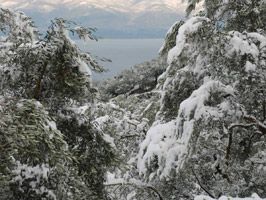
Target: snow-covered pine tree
x=209 y=135
x=35 y=161
x=49 y=80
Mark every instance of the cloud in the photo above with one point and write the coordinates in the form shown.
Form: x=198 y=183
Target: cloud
x=41 y=5
x=9 y=4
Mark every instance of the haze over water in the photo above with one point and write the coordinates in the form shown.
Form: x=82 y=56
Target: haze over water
x=124 y=53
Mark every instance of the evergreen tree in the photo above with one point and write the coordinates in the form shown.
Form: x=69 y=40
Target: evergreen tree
x=195 y=127
x=209 y=135
x=49 y=77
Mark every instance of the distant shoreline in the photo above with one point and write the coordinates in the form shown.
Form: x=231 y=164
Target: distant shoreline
x=123 y=52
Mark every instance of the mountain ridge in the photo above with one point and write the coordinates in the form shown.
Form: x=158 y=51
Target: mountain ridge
x=130 y=6
x=114 y=19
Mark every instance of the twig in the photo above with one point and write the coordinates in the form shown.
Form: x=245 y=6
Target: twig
x=201 y=186
x=260 y=125
x=241 y=125
x=252 y=122
x=136 y=185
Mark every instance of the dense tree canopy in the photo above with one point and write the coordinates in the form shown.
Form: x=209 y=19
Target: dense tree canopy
x=51 y=148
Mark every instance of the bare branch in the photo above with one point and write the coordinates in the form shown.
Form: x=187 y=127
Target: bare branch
x=137 y=186
x=241 y=126
x=201 y=186
x=261 y=126
x=261 y=129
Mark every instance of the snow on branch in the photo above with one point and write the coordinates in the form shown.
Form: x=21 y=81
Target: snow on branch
x=173 y=138
x=135 y=183
x=253 y=197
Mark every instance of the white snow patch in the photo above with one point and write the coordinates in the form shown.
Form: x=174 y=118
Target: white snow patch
x=158 y=141
x=112 y=179
x=84 y=68
x=23 y=171
x=253 y=197
x=258 y=37
x=34 y=174
x=80 y=110
x=100 y=124
x=102 y=120
x=52 y=125
x=169 y=32
x=250 y=67
x=131 y=195
x=110 y=140
x=167 y=144
x=189 y=27
x=240 y=44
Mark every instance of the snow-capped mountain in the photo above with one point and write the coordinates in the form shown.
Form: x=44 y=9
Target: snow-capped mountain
x=113 y=18
x=127 y=6
x=130 y=6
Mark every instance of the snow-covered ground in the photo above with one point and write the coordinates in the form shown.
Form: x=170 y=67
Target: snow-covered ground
x=253 y=197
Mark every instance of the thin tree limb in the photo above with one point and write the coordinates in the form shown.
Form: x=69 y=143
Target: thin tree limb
x=252 y=122
x=136 y=185
x=201 y=186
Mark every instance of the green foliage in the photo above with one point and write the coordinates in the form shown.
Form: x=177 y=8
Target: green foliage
x=52 y=148
x=191 y=5
x=17 y=26
x=202 y=118
x=170 y=38
x=52 y=67
x=139 y=79
x=214 y=144
x=230 y=14
x=30 y=140
x=93 y=154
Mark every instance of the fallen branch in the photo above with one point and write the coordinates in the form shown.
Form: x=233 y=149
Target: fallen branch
x=241 y=126
x=141 y=185
x=201 y=186
x=261 y=126
x=252 y=122
x=129 y=136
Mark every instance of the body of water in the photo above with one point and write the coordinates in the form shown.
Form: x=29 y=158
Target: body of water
x=124 y=53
